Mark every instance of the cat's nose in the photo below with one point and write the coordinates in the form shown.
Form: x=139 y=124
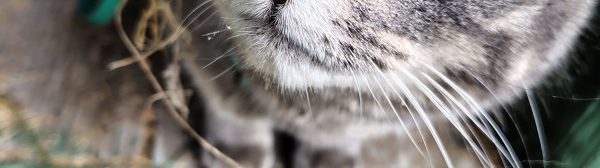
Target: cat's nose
x=279 y=2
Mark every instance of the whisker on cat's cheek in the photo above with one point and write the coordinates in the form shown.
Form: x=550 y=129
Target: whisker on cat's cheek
x=451 y=115
x=185 y=19
x=507 y=112
x=538 y=124
x=360 y=98
x=505 y=147
x=396 y=113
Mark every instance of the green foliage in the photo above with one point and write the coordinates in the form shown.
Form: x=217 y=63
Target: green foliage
x=99 y=12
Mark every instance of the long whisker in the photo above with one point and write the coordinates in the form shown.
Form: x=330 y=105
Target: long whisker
x=226 y=54
x=191 y=21
x=234 y=36
x=428 y=156
x=215 y=32
x=398 y=115
x=470 y=100
x=224 y=72
x=221 y=56
x=372 y=93
x=360 y=101
x=446 y=112
x=310 y=112
x=499 y=146
x=510 y=116
x=207 y=18
x=194 y=10
x=465 y=120
x=428 y=123
x=538 y=124
x=415 y=104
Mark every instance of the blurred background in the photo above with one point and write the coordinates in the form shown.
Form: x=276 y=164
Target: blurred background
x=71 y=96
x=61 y=105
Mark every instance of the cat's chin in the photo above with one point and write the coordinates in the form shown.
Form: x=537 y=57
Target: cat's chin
x=396 y=85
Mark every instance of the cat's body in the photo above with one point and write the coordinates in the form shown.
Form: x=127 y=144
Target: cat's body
x=379 y=83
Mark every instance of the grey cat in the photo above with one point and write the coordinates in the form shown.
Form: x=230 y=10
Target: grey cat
x=377 y=83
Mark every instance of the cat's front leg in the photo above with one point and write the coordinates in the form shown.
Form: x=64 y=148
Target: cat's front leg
x=249 y=141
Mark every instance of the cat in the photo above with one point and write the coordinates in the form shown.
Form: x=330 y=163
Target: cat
x=375 y=83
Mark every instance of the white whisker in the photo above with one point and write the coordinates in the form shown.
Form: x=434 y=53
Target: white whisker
x=445 y=110
x=398 y=115
x=224 y=72
x=360 y=101
x=234 y=36
x=510 y=116
x=417 y=106
x=194 y=10
x=428 y=156
x=310 y=112
x=538 y=124
x=220 y=56
x=470 y=100
x=427 y=122
x=191 y=21
x=202 y=23
x=372 y=93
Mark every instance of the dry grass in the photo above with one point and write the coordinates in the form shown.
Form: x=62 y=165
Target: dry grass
x=153 y=19
x=24 y=146
x=24 y=142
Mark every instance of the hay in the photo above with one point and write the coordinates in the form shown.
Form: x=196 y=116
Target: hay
x=159 y=13
x=31 y=137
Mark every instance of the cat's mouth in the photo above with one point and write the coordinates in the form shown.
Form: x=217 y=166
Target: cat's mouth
x=290 y=59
